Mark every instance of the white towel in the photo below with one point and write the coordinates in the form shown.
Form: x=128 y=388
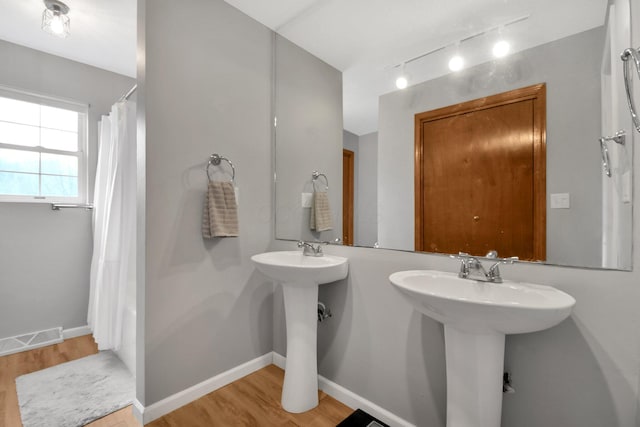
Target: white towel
x=220 y=214
x=320 y=218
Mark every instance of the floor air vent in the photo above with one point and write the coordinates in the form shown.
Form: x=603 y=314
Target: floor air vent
x=30 y=341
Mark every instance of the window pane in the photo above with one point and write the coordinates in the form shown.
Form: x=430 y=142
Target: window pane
x=65 y=186
x=58 y=164
x=12 y=110
x=57 y=118
x=19 y=161
x=21 y=184
x=12 y=133
x=59 y=140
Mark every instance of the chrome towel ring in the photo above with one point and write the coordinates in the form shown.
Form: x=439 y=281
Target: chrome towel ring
x=214 y=160
x=315 y=175
x=631 y=56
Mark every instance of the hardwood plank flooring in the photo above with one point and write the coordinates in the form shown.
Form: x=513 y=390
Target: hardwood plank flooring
x=252 y=401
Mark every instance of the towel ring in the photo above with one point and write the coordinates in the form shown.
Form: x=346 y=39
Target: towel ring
x=214 y=160
x=317 y=175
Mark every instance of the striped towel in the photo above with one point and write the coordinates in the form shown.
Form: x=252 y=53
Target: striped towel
x=320 y=218
x=220 y=215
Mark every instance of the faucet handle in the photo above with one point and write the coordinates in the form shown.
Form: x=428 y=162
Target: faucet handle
x=461 y=255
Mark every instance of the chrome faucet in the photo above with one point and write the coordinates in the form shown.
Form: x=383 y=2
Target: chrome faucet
x=308 y=249
x=471 y=267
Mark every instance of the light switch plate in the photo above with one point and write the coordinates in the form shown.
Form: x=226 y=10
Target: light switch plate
x=560 y=201
x=305 y=199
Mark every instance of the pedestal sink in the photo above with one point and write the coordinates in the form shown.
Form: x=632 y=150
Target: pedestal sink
x=300 y=276
x=476 y=317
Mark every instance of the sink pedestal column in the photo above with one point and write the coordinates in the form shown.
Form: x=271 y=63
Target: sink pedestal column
x=475 y=363
x=300 y=389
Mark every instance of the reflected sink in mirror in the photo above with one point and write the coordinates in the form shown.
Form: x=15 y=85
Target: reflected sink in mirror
x=507 y=307
x=476 y=317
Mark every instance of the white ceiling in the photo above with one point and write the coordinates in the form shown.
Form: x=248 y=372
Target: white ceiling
x=103 y=32
x=365 y=39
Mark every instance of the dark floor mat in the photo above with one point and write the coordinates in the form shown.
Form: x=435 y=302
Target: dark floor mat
x=359 y=418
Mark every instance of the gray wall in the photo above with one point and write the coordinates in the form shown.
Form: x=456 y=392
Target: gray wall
x=366 y=222
x=46 y=255
x=573 y=126
x=205 y=80
x=308 y=103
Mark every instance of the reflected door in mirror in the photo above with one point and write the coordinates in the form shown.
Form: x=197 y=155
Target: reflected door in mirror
x=480 y=176
x=347 y=196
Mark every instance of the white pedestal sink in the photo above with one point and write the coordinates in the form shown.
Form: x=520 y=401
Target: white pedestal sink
x=476 y=317
x=300 y=276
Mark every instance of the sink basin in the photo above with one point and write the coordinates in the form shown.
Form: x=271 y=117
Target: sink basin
x=300 y=277
x=508 y=307
x=476 y=317
x=293 y=267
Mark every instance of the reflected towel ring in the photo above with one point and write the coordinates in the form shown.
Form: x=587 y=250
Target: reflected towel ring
x=214 y=160
x=315 y=175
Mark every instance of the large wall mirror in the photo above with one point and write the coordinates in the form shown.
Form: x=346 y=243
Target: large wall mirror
x=505 y=153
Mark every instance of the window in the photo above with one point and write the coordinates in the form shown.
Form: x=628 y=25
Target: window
x=42 y=149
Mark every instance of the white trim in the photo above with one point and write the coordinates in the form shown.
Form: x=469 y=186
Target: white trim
x=351 y=399
x=138 y=411
x=177 y=400
x=279 y=360
x=145 y=415
x=76 y=332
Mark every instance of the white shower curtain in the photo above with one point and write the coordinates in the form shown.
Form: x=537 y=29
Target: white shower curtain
x=114 y=217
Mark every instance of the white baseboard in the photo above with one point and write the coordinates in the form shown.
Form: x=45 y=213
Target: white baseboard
x=152 y=412
x=75 y=332
x=145 y=415
x=351 y=399
x=138 y=411
x=279 y=360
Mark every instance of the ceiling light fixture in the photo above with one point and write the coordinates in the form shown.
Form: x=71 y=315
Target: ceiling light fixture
x=402 y=81
x=501 y=48
x=457 y=62
x=55 y=20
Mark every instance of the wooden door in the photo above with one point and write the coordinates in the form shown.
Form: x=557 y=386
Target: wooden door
x=347 y=196
x=480 y=176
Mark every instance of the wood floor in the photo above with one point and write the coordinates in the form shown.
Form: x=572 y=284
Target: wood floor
x=251 y=401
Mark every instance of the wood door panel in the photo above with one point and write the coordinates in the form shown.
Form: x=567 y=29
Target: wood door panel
x=476 y=178
x=347 y=196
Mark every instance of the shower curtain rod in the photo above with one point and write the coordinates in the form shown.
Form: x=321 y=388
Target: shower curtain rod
x=128 y=94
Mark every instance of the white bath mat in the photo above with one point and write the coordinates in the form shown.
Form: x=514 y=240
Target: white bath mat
x=75 y=393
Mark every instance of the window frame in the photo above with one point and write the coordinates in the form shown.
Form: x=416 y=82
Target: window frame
x=83 y=146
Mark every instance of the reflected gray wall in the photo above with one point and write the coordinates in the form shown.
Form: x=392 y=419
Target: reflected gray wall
x=206 y=84
x=366 y=227
x=46 y=255
x=573 y=154
x=365 y=197
x=308 y=106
